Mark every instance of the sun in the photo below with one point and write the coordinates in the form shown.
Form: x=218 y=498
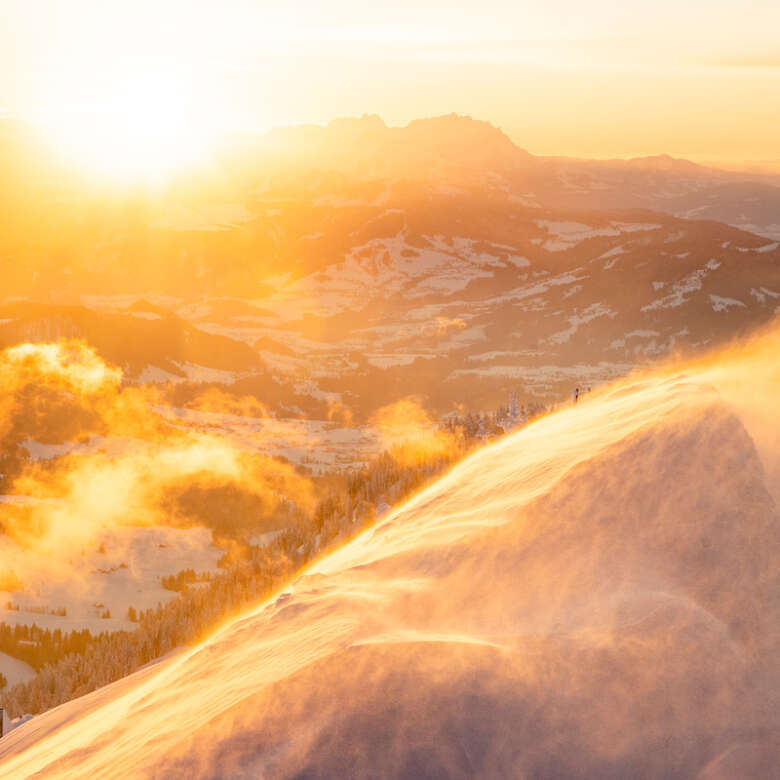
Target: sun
x=135 y=124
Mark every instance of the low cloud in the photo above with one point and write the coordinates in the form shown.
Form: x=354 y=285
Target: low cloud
x=66 y=391
x=407 y=431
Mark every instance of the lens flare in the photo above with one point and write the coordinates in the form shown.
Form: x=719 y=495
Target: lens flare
x=135 y=122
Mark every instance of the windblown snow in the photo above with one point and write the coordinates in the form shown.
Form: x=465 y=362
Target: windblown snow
x=596 y=595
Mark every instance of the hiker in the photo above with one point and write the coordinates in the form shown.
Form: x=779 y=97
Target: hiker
x=576 y=394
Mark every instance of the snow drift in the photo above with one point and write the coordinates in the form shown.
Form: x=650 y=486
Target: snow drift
x=596 y=595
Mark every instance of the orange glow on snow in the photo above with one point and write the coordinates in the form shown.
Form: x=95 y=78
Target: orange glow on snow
x=534 y=547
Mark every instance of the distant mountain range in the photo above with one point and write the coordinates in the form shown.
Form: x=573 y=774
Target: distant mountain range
x=469 y=150
x=355 y=263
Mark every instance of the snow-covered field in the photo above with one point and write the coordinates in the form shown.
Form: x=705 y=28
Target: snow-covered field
x=565 y=235
x=121 y=569
x=320 y=445
x=444 y=266
x=14 y=670
x=540 y=379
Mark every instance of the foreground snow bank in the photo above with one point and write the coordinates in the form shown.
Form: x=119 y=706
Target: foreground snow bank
x=594 y=596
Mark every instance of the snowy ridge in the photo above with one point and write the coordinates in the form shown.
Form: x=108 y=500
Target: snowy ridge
x=594 y=585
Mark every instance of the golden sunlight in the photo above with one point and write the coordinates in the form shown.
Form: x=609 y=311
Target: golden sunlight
x=135 y=124
x=389 y=389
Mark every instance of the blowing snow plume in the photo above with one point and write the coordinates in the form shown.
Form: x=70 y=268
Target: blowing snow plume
x=596 y=595
x=408 y=433
x=143 y=471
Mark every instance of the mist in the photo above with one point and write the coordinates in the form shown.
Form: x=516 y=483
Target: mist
x=128 y=461
x=595 y=595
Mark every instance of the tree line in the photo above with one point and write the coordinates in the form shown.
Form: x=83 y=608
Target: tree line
x=71 y=665
x=41 y=646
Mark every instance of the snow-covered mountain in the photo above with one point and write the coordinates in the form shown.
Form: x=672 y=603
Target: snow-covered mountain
x=596 y=595
x=355 y=263
x=463 y=151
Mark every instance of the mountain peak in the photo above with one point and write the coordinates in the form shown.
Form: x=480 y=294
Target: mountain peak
x=664 y=162
x=368 y=147
x=366 y=122
x=461 y=129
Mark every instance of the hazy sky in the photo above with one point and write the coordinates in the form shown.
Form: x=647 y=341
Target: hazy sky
x=594 y=78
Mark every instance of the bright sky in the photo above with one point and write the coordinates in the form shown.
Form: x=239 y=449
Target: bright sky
x=589 y=78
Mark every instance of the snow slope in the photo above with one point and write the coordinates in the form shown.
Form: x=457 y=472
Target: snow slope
x=596 y=595
x=15 y=670
x=122 y=570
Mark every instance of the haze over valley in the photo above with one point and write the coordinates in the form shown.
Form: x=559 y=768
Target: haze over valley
x=389 y=392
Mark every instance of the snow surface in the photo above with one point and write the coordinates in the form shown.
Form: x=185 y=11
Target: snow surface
x=540 y=379
x=592 y=312
x=595 y=595
x=112 y=445
x=565 y=235
x=192 y=372
x=681 y=289
x=387 y=361
x=156 y=375
x=724 y=304
x=762 y=293
x=560 y=604
x=15 y=670
x=762 y=249
x=321 y=445
x=125 y=573
x=444 y=266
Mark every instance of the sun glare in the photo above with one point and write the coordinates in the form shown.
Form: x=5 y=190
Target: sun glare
x=136 y=125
